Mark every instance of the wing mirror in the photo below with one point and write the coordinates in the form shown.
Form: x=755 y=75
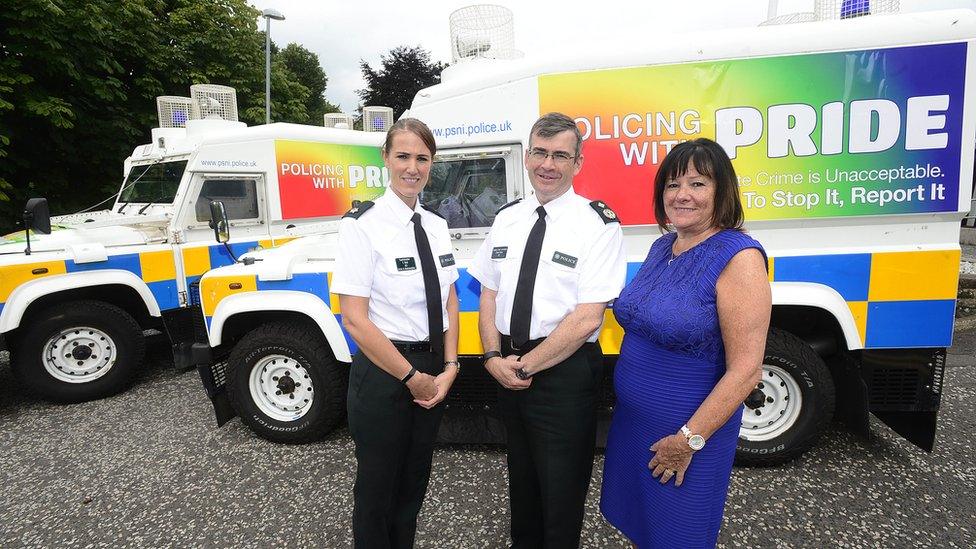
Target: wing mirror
x=37 y=217
x=219 y=222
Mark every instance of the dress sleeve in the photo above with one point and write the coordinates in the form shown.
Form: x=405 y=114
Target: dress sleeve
x=355 y=261
x=733 y=242
x=604 y=270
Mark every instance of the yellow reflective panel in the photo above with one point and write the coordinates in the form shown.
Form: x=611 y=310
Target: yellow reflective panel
x=469 y=342
x=157 y=266
x=12 y=276
x=212 y=290
x=612 y=334
x=859 y=310
x=904 y=276
x=196 y=260
x=333 y=298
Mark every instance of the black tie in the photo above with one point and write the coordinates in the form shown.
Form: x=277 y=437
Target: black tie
x=522 y=305
x=432 y=287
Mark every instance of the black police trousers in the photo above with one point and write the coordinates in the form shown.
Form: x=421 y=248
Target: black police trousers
x=551 y=428
x=394 y=441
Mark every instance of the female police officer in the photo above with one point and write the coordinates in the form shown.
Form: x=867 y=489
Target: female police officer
x=394 y=276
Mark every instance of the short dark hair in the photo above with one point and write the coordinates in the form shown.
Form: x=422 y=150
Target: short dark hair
x=709 y=159
x=555 y=123
x=413 y=126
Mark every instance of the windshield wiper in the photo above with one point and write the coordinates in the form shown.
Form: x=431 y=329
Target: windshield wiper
x=150 y=203
x=122 y=207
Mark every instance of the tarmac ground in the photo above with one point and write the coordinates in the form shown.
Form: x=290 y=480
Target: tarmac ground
x=149 y=468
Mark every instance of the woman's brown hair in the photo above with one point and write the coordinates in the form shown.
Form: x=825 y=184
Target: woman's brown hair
x=710 y=160
x=413 y=126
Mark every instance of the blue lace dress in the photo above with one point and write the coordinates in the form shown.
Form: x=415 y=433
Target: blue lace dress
x=672 y=356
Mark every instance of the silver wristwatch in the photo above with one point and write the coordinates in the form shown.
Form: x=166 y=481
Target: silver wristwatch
x=695 y=442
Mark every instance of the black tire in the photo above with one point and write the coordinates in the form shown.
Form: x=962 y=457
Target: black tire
x=788 y=355
x=123 y=336
x=304 y=345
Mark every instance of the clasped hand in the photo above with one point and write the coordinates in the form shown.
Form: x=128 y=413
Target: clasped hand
x=503 y=370
x=429 y=391
x=672 y=455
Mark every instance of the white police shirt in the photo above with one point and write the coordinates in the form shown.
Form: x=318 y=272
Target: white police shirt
x=378 y=259
x=582 y=261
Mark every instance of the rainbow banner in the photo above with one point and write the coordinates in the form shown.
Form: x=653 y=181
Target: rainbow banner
x=322 y=179
x=873 y=132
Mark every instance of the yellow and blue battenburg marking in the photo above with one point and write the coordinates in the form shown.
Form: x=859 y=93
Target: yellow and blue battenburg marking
x=897 y=299
x=156 y=268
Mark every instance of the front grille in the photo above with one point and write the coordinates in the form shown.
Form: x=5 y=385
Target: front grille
x=907 y=380
x=193 y=292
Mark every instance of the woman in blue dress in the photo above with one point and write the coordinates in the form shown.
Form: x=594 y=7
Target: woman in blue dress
x=695 y=318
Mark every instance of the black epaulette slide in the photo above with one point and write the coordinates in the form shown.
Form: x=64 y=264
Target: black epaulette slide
x=358 y=209
x=512 y=203
x=431 y=210
x=604 y=211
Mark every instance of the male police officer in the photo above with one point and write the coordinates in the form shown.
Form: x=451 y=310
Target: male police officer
x=547 y=270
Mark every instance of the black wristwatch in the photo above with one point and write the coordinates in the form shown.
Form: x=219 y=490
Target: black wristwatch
x=490 y=355
x=409 y=375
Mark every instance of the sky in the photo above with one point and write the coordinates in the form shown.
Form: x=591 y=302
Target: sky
x=344 y=32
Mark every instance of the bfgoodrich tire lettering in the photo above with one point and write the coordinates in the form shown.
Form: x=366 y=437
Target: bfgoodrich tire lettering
x=792 y=406
x=49 y=360
x=285 y=384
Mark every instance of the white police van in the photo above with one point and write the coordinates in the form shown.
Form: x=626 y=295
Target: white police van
x=853 y=141
x=78 y=291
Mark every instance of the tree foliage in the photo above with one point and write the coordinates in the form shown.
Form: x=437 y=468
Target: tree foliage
x=404 y=72
x=78 y=82
x=303 y=67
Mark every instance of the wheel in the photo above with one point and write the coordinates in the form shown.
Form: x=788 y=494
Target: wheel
x=285 y=384
x=78 y=351
x=789 y=408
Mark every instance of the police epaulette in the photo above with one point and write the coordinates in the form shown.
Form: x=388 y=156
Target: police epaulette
x=359 y=209
x=604 y=211
x=431 y=210
x=512 y=203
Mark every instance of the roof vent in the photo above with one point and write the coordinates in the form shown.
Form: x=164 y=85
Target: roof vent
x=214 y=102
x=173 y=111
x=339 y=120
x=789 y=18
x=377 y=119
x=846 y=9
x=483 y=31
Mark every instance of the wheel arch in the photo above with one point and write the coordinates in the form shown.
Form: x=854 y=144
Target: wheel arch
x=238 y=314
x=120 y=288
x=817 y=314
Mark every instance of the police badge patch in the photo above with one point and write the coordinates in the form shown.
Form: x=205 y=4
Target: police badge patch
x=604 y=211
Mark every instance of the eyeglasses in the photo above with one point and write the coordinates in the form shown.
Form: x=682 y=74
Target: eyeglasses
x=559 y=158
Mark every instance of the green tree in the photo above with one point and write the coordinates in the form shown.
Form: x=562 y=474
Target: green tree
x=404 y=72
x=79 y=78
x=303 y=67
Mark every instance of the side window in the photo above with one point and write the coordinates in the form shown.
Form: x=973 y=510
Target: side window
x=467 y=191
x=240 y=198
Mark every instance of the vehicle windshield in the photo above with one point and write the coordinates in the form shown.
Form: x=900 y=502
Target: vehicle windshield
x=153 y=182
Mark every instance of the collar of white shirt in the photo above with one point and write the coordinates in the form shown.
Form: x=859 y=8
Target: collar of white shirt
x=402 y=213
x=555 y=207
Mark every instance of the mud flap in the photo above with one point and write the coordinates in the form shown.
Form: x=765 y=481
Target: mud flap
x=214 y=380
x=905 y=390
